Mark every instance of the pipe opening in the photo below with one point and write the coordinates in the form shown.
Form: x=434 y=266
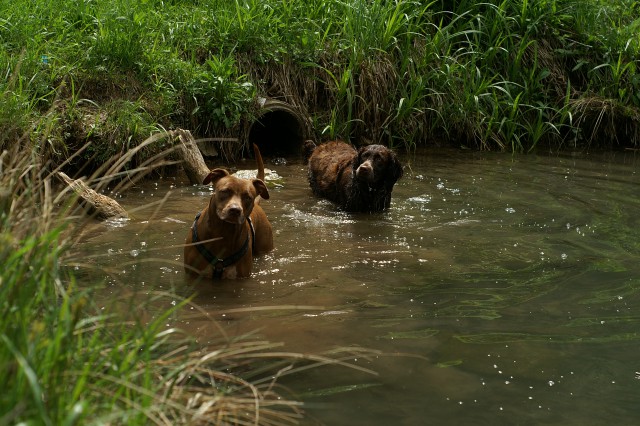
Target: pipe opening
x=279 y=131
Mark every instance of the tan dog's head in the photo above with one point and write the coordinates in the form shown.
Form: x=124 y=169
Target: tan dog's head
x=233 y=198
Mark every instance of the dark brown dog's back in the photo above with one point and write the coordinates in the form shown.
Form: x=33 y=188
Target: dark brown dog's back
x=357 y=180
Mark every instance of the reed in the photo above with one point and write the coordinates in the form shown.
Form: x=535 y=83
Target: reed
x=70 y=361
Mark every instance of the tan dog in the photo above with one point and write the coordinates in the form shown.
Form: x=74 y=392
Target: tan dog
x=231 y=229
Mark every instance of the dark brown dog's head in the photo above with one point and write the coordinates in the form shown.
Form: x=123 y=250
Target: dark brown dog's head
x=233 y=198
x=377 y=165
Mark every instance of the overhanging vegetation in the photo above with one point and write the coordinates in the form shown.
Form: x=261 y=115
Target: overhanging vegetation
x=506 y=75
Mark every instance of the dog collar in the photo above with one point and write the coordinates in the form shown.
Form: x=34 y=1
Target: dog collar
x=220 y=264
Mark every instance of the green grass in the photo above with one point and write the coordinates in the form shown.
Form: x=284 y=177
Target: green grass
x=508 y=75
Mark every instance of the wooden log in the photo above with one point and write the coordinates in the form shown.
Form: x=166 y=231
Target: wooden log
x=97 y=205
x=192 y=159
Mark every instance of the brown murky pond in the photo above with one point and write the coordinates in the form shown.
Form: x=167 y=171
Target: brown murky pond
x=497 y=289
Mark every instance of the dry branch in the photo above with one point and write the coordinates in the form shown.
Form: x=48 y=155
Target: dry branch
x=189 y=153
x=97 y=205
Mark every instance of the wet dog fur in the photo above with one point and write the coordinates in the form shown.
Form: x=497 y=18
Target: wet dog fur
x=358 y=180
x=223 y=228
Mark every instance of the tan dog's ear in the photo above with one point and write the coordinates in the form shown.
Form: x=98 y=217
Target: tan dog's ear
x=261 y=188
x=214 y=176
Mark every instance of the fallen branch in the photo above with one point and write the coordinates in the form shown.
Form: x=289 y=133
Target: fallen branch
x=97 y=205
x=192 y=159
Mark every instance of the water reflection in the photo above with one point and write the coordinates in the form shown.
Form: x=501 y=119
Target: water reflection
x=497 y=289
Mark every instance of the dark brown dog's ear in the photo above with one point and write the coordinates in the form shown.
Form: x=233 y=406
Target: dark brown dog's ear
x=307 y=149
x=261 y=187
x=395 y=169
x=214 y=176
x=359 y=153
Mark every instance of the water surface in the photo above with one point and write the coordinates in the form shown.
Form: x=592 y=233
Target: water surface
x=496 y=290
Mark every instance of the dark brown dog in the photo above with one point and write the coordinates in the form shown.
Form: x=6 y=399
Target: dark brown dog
x=231 y=229
x=357 y=180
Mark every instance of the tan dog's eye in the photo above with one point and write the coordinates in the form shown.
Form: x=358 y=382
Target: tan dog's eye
x=224 y=193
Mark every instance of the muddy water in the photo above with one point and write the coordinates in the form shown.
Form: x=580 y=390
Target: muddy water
x=496 y=290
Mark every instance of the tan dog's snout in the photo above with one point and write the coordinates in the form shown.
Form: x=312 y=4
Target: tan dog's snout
x=233 y=211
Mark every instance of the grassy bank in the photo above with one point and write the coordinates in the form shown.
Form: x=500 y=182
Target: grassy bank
x=510 y=75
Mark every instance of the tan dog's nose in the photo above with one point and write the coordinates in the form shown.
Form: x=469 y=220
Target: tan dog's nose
x=234 y=210
x=233 y=213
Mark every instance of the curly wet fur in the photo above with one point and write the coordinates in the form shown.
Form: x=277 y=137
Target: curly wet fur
x=357 y=180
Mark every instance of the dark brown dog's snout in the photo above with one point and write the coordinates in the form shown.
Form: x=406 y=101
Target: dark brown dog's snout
x=365 y=171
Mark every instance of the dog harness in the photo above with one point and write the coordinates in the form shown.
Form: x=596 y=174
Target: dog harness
x=220 y=264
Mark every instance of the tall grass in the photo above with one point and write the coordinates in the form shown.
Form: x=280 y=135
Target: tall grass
x=69 y=361
x=489 y=75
